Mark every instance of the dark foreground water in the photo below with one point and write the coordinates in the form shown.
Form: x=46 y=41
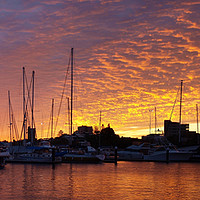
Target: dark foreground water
x=127 y=180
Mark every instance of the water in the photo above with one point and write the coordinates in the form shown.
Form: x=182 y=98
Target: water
x=127 y=180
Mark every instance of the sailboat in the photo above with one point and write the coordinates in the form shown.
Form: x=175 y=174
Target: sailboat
x=28 y=153
x=81 y=155
x=165 y=151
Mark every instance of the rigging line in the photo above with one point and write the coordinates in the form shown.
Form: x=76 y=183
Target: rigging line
x=174 y=104
x=59 y=109
x=28 y=100
x=15 y=128
x=77 y=88
x=14 y=123
x=21 y=131
x=48 y=132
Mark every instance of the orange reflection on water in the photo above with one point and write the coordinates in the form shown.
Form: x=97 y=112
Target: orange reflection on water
x=127 y=180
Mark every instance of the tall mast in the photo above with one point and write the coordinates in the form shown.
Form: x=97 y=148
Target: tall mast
x=68 y=114
x=180 y=111
x=150 y=121
x=155 y=120
x=10 y=118
x=52 y=118
x=32 y=109
x=197 y=123
x=100 y=122
x=100 y=130
x=197 y=118
x=24 y=107
x=71 y=89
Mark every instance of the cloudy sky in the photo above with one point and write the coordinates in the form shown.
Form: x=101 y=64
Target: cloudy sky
x=130 y=56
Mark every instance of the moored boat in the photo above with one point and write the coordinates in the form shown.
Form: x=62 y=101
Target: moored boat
x=131 y=153
x=35 y=154
x=4 y=154
x=88 y=155
x=82 y=158
x=161 y=154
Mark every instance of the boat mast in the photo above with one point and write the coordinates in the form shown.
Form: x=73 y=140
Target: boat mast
x=197 y=123
x=10 y=118
x=52 y=118
x=155 y=120
x=180 y=111
x=71 y=91
x=100 y=122
x=197 y=118
x=100 y=130
x=24 y=107
x=32 y=107
x=68 y=114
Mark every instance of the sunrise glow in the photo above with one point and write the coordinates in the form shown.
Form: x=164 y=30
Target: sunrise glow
x=129 y=57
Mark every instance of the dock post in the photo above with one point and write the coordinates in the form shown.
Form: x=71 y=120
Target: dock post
x=53 y=155
x=115 y=155
x=167 y=155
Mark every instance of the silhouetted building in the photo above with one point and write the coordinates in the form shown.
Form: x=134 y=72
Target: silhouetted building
x=31 y=134
x=85 y=130
x=173 y=129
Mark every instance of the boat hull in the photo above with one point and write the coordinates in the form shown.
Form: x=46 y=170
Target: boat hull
x=129 y=156
x=73 y=158
x=171 y=156
x=26 y=160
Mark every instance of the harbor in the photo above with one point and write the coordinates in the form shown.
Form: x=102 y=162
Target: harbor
x=99 y=100
x=85 y=145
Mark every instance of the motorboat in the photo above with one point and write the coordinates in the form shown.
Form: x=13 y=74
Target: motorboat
x=131 y=153
x=35 y=154
x=167 y=154
x=88 y=155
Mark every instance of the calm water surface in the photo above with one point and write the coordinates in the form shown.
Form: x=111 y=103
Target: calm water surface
x=127 y=180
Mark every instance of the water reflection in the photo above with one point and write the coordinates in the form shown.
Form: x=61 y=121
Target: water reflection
x=127 y=180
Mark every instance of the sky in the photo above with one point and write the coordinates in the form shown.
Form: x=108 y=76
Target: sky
x=129 y=57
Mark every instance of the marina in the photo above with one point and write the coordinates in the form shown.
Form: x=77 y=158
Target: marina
x=99 y=100
x=84 y=145
x=81 y=145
